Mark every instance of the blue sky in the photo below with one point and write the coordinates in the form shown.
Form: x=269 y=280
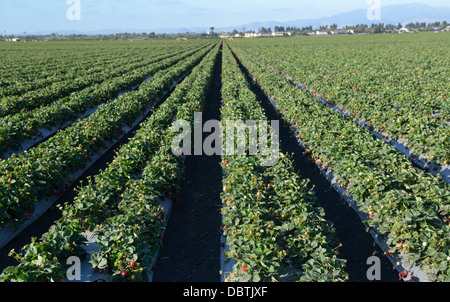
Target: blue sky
x=19 y=16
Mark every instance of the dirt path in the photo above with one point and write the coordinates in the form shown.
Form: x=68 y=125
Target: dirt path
x=191 y=244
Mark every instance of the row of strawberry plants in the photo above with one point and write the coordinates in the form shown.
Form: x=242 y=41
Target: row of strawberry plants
x=423 y=133
x=47 y=95
x=160 y=177
x=409 y=207
x=442 y=171
x=30 y=67
x=91 y=65
x=64 y=67
x=25 y=125
x=129 y=223
x=377 y=105
x=272 y=222
x=412 y=76
x=43 y=170
x=127 y=165
x=43 y=63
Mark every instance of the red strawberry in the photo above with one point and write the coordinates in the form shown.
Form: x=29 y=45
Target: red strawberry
x=243 y=268
x=132 y=263
x=9 y=179
x=123 y=273
x=403 y=274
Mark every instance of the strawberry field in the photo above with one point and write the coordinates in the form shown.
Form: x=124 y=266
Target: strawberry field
x=88 y=169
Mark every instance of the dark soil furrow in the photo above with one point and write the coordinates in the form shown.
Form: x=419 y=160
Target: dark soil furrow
x=191 y=244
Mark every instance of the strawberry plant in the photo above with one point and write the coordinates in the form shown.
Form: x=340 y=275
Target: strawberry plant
x=382 y=182
x=272 y=222
x=397 y=99
x=15 y=129
x=121 y=207
x=41 y=171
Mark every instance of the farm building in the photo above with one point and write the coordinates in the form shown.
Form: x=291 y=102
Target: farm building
x=253 y=35
x=277 y=33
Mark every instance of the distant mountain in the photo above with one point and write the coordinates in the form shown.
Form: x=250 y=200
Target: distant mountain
x=394 y=14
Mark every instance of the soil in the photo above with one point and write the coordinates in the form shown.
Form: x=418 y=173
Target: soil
x=191 y=243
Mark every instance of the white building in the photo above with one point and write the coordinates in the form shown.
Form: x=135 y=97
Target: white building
x=252 y=35
x=277 y=33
